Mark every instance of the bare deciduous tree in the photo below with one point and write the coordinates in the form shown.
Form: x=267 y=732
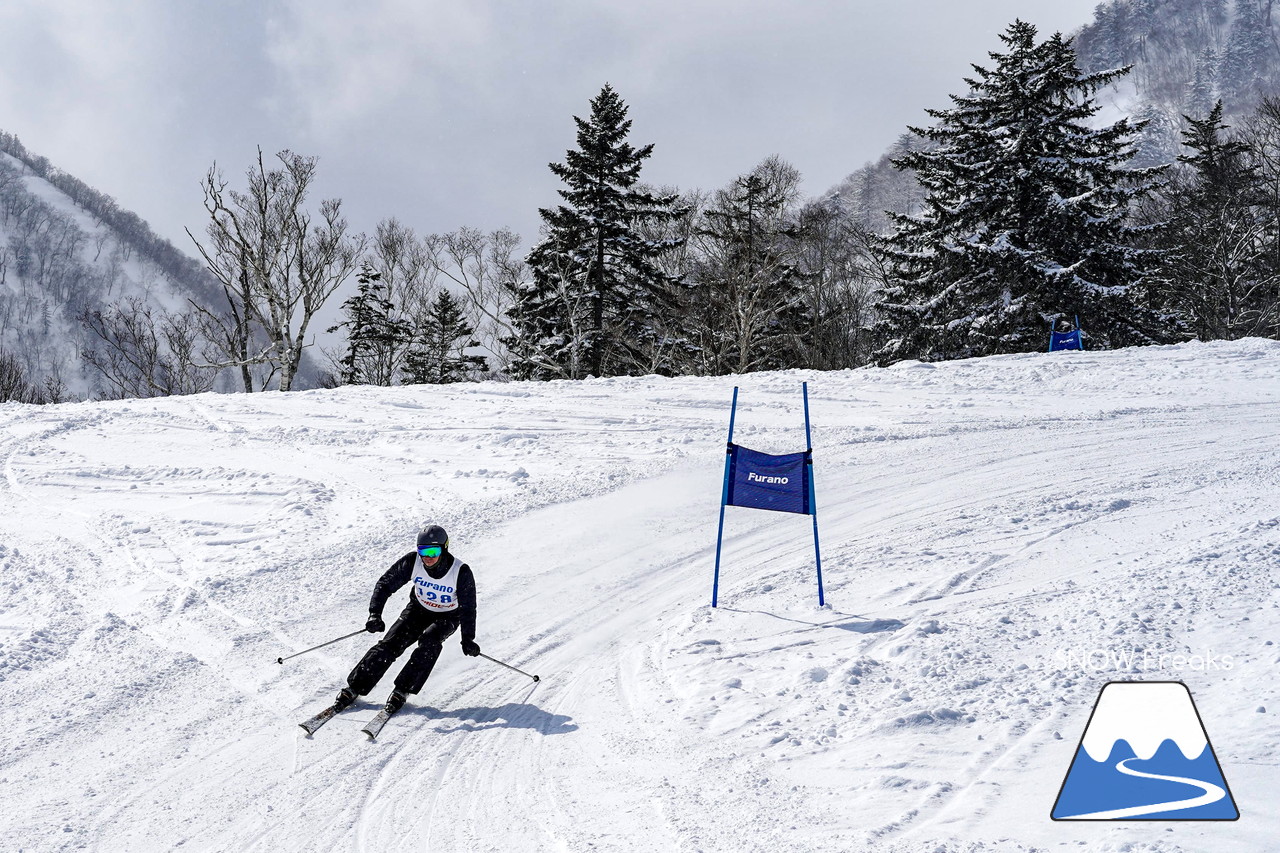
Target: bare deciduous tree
x=409 y=279
x=562 y=332
x=142 y=352
x=747 y=275
x=1262 y=132
x=276 y=263
x=487 y=268
x=14 y=387
x=841 y=270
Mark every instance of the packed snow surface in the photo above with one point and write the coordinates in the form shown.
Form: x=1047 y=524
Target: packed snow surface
x=1000 y=538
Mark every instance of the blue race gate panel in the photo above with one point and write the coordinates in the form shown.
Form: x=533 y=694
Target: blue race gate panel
x=764 y=481
x=1065 y=340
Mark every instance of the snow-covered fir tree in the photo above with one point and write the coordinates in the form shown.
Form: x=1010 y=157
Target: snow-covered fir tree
x=1220 y=277
x=1200 y=91
x=376 y=338
x=1155 y=144
x=1249 y=55
x=1025 y=218
x=439 y=352
x=594 y=285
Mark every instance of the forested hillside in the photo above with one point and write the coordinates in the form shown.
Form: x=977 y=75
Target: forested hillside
x=1186 y=54
x=67 y=250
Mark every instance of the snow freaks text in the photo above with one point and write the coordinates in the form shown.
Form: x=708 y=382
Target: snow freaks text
x=1140 y=660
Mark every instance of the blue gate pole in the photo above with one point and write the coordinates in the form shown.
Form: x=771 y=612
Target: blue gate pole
x=1079 y=335
x=813 y=501
x=724 y=497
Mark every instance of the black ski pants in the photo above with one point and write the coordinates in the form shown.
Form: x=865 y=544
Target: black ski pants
x=415 y=625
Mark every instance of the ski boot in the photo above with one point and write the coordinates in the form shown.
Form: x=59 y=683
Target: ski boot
x=394 y=702
x=345 y=698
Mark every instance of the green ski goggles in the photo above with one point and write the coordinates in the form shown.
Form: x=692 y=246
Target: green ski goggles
x=430 y=551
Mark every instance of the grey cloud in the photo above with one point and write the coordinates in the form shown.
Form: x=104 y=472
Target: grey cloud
x=446 y=113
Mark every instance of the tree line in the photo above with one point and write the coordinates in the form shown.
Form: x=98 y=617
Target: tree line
x=1030 y=212
x=627 y=279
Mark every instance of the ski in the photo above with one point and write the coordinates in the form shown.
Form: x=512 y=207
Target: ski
x=312 y=725
x=374 y=726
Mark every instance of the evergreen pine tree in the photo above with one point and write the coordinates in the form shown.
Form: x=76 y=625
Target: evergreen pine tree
x=750 y=291
x=1219 y=278
x=1199 y=99
x=1215 y=12
x=1025 y=217
x=438 y=355
x=1107 y=35
x=374 y=334
x=1157 y=142
x=595 y=283
x=1247 y=54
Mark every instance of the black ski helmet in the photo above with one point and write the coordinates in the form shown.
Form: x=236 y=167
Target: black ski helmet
x=433 y=534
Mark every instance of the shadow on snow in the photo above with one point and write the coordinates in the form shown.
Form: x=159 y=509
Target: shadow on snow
x=513 y=715
x=858 y=624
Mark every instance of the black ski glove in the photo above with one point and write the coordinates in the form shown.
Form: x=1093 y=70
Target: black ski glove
x=375 y=625
x=470 y=648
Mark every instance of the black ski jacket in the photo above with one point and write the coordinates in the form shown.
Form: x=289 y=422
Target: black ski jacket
x=401 y=572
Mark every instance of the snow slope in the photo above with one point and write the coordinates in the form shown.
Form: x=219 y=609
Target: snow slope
x=1000 y=538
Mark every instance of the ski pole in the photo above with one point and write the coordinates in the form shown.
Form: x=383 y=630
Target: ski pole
x=509 y=666
x=322 y=645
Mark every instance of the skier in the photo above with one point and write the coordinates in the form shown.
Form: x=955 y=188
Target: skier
x=443 y=598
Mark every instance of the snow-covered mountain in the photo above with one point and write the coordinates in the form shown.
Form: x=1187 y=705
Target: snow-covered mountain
x=61 y=255
x=1000 y=538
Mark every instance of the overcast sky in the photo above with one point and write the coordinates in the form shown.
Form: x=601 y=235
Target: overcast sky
x=445 y=113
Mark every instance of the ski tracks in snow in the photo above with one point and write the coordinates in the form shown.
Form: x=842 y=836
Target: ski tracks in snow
x=1082 y=567
x=976 y=517
x=620 y=669
x=560 y=789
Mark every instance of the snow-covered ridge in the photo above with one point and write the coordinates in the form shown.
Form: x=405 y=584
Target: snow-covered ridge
x=58 y=260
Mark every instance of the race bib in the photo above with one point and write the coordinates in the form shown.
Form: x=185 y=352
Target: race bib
x=437 y=594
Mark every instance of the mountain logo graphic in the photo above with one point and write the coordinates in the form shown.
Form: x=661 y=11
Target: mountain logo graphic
x=1145 y=755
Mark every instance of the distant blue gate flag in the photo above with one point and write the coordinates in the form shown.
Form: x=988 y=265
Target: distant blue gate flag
x=765 y=481
x=1066 y=340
